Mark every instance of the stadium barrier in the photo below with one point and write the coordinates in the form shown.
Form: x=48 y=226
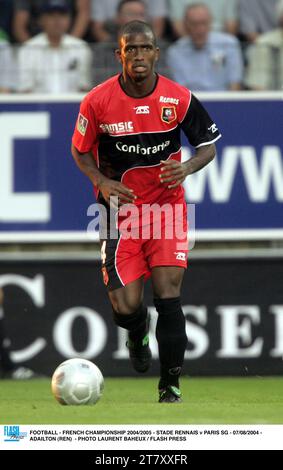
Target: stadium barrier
x=44 y=197
x=56 y=307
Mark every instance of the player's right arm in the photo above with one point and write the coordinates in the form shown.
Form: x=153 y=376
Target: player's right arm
x=106 y=186
x=85 y=137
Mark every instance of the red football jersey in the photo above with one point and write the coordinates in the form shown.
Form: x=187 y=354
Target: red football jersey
x=129 y=136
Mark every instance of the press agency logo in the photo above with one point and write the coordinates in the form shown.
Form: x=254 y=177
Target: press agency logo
x=13 y=434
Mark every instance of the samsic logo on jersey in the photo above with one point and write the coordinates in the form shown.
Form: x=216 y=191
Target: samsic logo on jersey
x=117 y=127
x=168 y=114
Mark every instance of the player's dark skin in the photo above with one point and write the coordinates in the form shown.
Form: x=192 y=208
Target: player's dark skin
x=138 y=55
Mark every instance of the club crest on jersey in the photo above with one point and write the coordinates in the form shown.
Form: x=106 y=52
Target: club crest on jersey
x=168 y=114
x=82 y=124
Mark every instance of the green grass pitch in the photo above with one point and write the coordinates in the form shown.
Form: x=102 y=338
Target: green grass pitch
x=134 y=401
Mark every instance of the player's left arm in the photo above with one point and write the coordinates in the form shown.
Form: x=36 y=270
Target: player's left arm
x=176 y=172
x=201 y=132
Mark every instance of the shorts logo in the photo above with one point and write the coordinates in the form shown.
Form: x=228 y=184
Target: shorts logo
x=213 y=128
x=142 y=109
x=168 y=114
x=180 y=256
x=103 y=252
x=82 y=124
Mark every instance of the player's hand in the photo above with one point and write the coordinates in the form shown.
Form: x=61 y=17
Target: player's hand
x=172 y=172
x=118 y=192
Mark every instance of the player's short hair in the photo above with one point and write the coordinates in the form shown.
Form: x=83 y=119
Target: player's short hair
x=136 y=27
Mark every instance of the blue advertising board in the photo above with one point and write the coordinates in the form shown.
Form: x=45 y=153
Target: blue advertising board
x=44 y=196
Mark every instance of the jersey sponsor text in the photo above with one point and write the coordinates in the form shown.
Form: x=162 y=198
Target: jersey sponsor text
x=166 y=99
x=138 y=149
x=117 y=127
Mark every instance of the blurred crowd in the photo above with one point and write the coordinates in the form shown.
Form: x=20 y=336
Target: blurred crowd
x=63 y=46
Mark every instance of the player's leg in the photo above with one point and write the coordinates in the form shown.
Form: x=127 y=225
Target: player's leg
x=128 y=310
x=170 y=329
x=123 y=269
x=130 y=313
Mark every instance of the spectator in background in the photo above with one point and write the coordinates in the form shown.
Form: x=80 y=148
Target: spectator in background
x=224 y=12
x=105 y=63
x=205 y=60
x=127 y=10
x=265 y=68
x=7 y=65
x=53 y=61
x=104 y=14
x=27 y=13
x=256 y=17
x=9 y=370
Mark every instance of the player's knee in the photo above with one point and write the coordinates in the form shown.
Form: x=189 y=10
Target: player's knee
x=169 y=285
x=125 y=309
x=125 y=306
x=168 y=290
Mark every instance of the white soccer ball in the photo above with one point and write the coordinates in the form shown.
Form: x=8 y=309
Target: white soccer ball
x=77 y=382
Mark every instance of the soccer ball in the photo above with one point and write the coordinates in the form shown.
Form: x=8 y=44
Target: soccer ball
x=77 y=382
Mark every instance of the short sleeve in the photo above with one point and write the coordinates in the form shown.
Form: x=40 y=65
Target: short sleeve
x=86 y=130
x=198 y=126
